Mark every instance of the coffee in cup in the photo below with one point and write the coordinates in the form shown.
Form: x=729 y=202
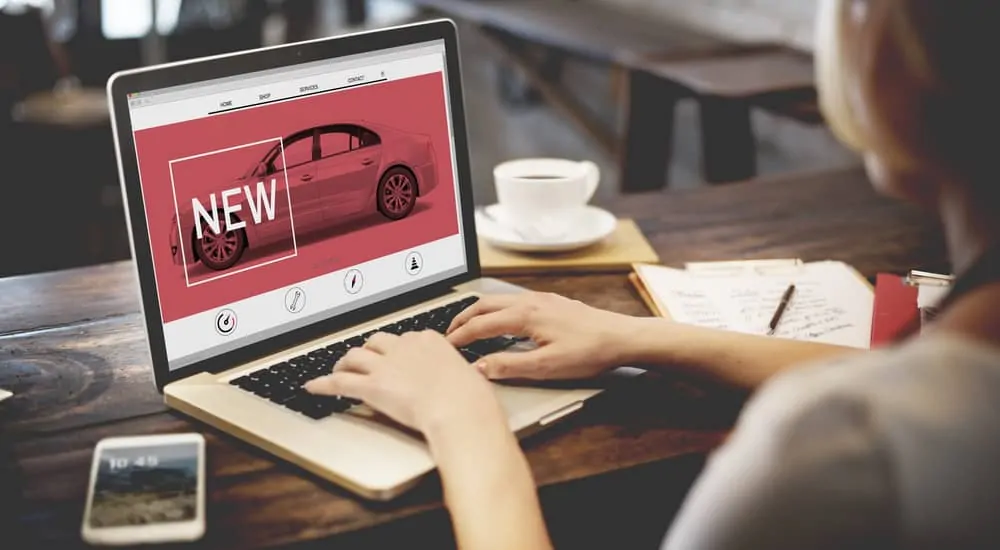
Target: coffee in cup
x=544 y=190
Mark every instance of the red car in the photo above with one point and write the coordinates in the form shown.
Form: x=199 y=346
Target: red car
x=336 y=172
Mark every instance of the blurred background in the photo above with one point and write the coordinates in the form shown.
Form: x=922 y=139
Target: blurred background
x=61 y=205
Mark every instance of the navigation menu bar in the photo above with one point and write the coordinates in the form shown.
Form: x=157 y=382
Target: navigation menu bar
x=162 y=113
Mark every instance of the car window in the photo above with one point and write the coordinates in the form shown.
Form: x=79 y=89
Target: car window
x=334 y=143
x=368 y=138
x=297 y=152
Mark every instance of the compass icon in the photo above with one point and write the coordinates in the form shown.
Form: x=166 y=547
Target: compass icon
x=353 y=281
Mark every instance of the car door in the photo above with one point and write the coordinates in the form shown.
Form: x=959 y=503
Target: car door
x=297 y=162
x=347 y=171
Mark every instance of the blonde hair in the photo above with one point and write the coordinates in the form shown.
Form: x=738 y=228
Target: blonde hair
x=905 y=79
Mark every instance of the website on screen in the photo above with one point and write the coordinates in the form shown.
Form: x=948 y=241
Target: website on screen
x=277 y=199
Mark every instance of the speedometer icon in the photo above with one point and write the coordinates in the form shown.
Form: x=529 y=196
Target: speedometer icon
x=225 y=322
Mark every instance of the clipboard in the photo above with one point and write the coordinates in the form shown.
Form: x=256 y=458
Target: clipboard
x=721 y=266
x=640 y=289
x=841 y=312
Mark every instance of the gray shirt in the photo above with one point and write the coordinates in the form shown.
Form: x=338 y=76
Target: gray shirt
x=893 y=449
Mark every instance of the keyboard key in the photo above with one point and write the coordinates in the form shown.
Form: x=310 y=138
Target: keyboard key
x=317 y=406
x=491 y=345
x=284 y=397
x=394 y=328
x=243 y=382
x=355 y=342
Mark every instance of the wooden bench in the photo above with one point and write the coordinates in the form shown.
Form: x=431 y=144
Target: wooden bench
x=657 y=59
x=728 y=86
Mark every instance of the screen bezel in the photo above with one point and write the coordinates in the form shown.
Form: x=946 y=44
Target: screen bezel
x=151 y=533
x=121 y=84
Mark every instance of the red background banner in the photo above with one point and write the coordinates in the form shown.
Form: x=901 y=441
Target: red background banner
x=414 y=104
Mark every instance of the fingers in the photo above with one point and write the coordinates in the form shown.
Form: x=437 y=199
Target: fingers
x=532 y=365
x=380 y=342
x=485 y=304
x=347 y=384
x=498 y=323
x=359 y=360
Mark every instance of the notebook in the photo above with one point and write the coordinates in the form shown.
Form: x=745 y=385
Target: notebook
x=832 y=302
x=623 y=248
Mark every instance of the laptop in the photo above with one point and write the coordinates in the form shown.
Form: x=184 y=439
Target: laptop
x=285 y=203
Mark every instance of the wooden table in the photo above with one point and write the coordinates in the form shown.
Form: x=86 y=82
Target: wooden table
x=72 y=349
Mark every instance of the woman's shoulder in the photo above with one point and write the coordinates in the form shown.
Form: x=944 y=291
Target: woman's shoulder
x=921 y=416
x=875 y=450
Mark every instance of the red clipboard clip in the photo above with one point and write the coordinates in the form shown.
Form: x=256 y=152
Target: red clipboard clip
x=903 y=304
x=921 y=278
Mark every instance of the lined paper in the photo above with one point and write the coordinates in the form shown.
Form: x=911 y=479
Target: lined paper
x=831 y=303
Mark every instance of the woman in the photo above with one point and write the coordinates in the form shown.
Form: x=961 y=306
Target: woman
x=897 y=448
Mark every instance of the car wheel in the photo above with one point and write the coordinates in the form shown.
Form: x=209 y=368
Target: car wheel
x=219 y=252
x=397 y=193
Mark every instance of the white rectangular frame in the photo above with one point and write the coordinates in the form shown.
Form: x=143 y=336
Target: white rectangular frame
x=177 y=213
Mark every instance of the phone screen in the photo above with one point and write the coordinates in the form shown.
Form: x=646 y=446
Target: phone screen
x=146 y=485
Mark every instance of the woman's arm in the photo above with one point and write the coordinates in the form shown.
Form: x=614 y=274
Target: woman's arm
x=737 y=359
x=579 y=341
x=488 y=486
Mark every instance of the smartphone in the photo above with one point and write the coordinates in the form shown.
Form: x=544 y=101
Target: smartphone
x=146 y=489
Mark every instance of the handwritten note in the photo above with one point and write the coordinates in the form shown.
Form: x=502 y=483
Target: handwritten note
x=831 y=304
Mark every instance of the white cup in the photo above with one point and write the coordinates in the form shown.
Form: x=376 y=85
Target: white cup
x=544 y=191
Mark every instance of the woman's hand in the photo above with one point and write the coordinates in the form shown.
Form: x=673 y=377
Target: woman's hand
x=418 y=379
x=574 y=340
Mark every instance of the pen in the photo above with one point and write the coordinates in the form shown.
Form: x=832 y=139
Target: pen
x=781 y=309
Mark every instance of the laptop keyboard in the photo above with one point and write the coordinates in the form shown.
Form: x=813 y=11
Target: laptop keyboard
x=282 y=383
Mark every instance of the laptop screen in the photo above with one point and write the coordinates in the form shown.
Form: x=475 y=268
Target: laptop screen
x=280 y=198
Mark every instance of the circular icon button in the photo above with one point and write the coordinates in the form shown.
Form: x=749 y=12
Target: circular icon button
x=414 y=263
x=225 y=322
x=353 y=281
x=295 y=300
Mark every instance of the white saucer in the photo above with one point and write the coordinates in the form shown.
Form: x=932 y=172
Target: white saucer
x=592 y=226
